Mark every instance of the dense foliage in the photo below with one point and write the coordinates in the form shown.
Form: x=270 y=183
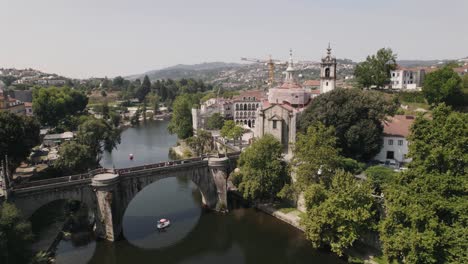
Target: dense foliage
x=231 y=131
x=356 y=116
x=375 y=70
x=215 y=122
x=181 y=121
x=201 y=142
x=144 y=89
x=426 y=219
x=54 y=104
x=18 y=135
x=15 y=236
x=443 y=86
x=316 y=157
x=94 y=136
x=339 y=214
x=262 y=173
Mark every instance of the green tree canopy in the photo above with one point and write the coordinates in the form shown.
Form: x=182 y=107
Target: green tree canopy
x=338 y=215
x=201 y=142
x=375 y=70
x=98 y=135
x=15 y=236
x=316 y=157
x=443 y=86
x=181 y=121
x=262 y=173
x=231 y=131
x=18 y=135
x=215 y=122
x=144 y=89
x=426 y=220
x=356 y=116
x=53 y=104
x=75 y=158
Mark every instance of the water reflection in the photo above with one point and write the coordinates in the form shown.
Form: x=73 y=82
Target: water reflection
x=158 y=201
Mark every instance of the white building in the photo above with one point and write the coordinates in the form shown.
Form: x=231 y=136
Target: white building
x=395 y=143
x=407 y=79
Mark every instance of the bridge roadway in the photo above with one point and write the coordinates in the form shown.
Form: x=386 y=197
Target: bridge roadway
x=107 y=192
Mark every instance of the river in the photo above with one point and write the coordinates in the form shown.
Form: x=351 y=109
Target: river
x=244 y=235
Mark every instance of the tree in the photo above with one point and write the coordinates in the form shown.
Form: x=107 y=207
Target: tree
x=118 y=81
x=201 y=142
x=356 y=116
x=340 y=214
x=18 y=135
x=231 y=131
x=262 y=173
x=181 y=121
x=426 y=220
x=376 y=69
x=98 y=135
x=75 y=158
x=215 y=122
x=443 y=86
x=465 y=81
x=144 y=89
x=379 y=177
x=316 y=157
x=15 y=236
x=54 y=104
x=440 y=144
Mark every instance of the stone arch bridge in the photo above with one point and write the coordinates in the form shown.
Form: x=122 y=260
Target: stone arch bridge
x=107 y=192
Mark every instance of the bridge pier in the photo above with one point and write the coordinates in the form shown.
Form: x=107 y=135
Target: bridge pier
x=220 y=169
x=109 y=214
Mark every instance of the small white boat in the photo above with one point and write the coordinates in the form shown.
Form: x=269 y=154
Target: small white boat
x=163 y=223
x=130 y=156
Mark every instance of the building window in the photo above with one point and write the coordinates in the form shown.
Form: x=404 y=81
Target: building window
x=274 y=124
x=327 y=72
x=390 y=155
x=326 y=84
x=390 y=142
x=400 y=142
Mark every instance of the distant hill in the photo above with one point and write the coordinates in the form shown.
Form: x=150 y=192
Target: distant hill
x=205 y=71
x=421 y=63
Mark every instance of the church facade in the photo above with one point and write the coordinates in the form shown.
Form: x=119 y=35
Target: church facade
x=279 y=114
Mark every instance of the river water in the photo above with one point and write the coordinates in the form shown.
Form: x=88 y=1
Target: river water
x=243 y=235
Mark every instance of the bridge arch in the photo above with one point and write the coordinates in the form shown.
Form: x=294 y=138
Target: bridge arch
x=29 y=200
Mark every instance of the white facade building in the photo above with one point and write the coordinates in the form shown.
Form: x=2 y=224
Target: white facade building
x=407 y=79
x=395 y=143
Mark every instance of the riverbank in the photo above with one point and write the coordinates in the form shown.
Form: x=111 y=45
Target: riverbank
x=292 y=217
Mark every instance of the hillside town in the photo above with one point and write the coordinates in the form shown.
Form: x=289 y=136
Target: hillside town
x=264 y=160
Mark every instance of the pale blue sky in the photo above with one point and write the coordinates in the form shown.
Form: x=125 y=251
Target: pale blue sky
x=84 y=38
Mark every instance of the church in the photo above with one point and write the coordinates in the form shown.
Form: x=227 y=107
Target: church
x=278 y=115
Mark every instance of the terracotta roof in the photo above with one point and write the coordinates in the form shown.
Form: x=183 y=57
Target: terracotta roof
x=252 y=93
x=27 y=104
x=312 y=83
x=398 y=125
x=315 y=91
x=290 y=86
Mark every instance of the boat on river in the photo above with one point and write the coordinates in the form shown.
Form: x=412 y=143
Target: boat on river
x=163 y=223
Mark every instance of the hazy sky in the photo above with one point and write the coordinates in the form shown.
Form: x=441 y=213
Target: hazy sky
x=84 y=38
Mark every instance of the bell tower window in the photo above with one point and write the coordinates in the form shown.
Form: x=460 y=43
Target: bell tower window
x=327 y=72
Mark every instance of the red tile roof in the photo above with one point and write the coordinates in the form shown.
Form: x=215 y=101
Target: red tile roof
x=398 y=125
x=259 y=95
x=312 y=83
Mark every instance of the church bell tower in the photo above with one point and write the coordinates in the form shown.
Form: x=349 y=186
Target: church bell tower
x=327 y=72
